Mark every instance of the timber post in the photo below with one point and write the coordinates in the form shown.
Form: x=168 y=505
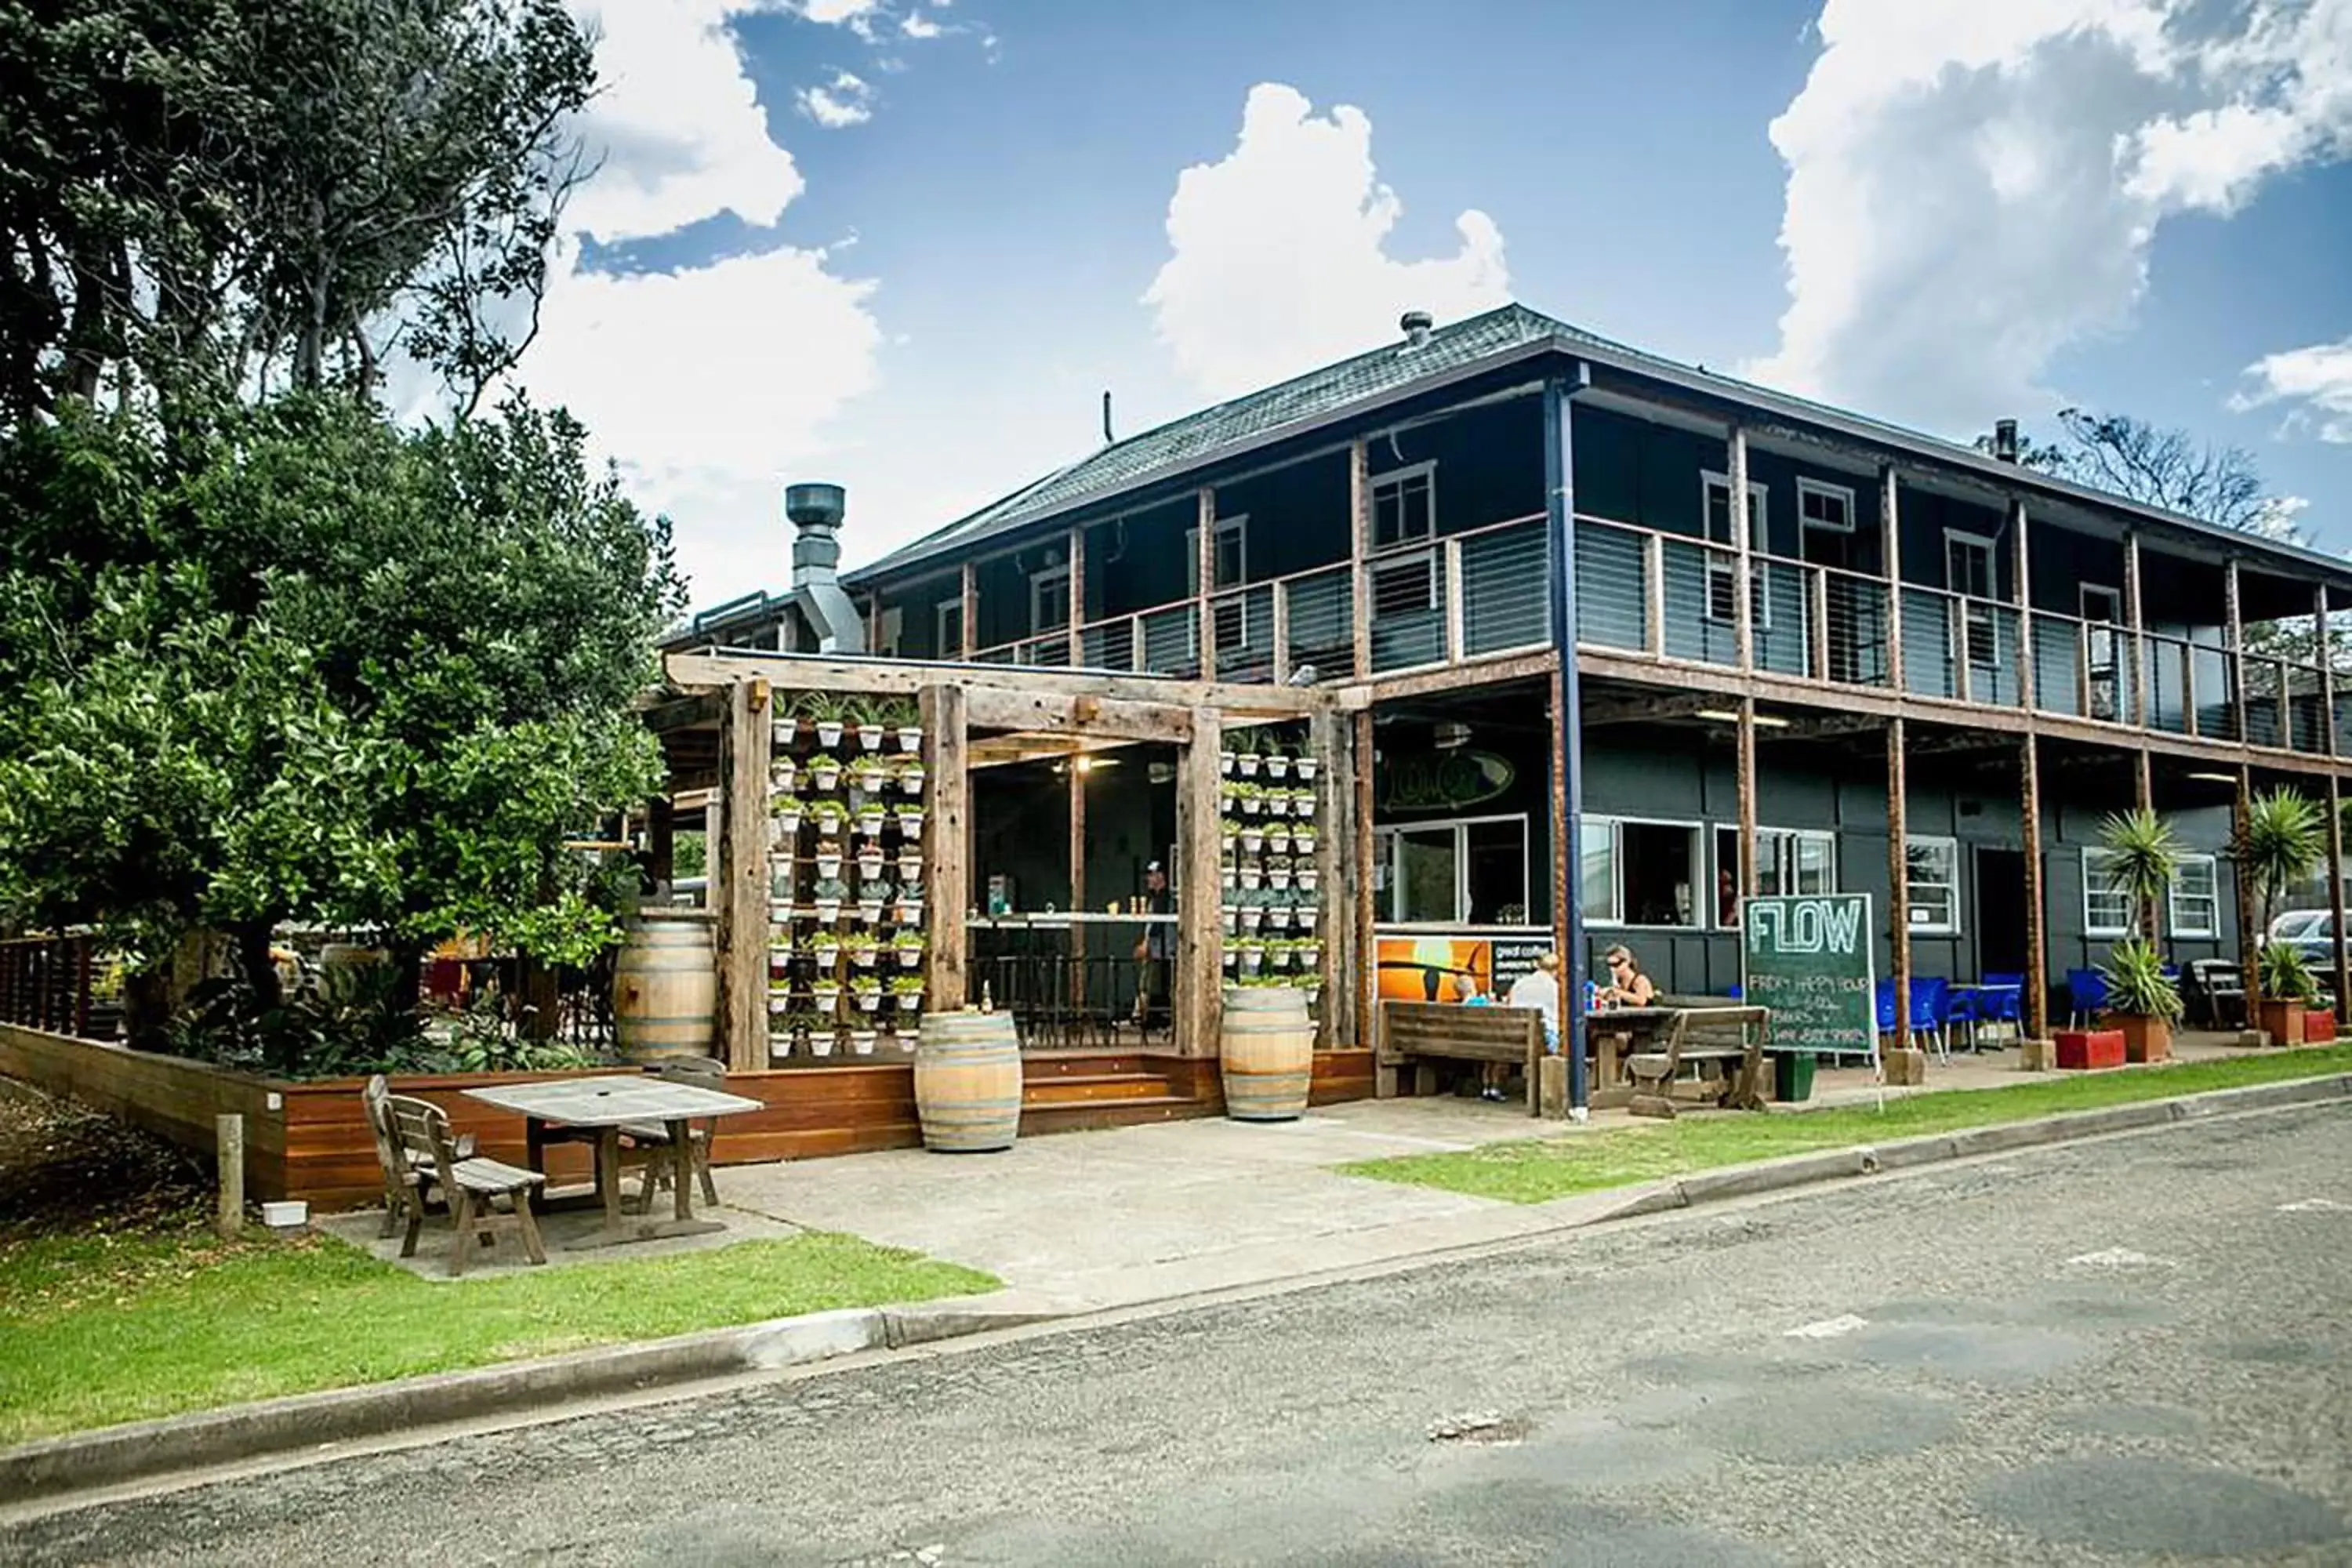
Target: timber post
x=2023 y=572
x=1077 y=598
x=1898 y=899
x=1890 y=548
x=2235 y=670
x=1199 y=999
x=2144 y=798
x=947 y=792
x=2138 y=713
x=1567 y=725
x=2034 y=1016
x=1204 y=566
x=1360 y=547
x=738 y=877
x=1743 y=609
x=970 y=614
x=1365 y=982
x=1330 y=740
x=1752 y=881
x=228 y=1157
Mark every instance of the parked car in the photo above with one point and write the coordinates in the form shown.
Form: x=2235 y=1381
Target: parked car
x=2294 y=924
x=2319 y=942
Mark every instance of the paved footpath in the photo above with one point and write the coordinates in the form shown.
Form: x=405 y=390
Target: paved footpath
x=2119 y=1352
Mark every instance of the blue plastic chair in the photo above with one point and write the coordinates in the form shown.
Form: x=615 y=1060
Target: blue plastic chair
x=2005 y=1004
x=2086 y=996
x=1931 y=1006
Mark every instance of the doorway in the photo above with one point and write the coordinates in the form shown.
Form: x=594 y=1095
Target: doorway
x=2001 y=911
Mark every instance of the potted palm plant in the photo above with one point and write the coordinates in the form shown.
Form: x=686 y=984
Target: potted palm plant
x=2142 y=854
x=2280 y=842
x=2289 y=989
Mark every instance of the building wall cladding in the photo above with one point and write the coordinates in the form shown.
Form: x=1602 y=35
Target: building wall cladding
x=1663 y=778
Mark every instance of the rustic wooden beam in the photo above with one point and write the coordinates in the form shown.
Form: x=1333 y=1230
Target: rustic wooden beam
x=1281 y=592
x=2250 y=956
x=1457 y=678
x=1750 y=875
x=661 y=842
x=1360 y=547
x=2139 y=665
x=1359 y=888
x=1890 y=550
x=1654 y=594
x=969 y=614
x=1028 y=712
x=1649 y=707
x=2034 y=1016
x=1200 y=996
x=738 y=887
x=697 y=711
x=1330 y=740
x=1817 y=623
x=1898 y=875
x=1743 y=610
x=2234 y=665
x=1077 y=596
x=947 y=848
x=2023 y=572
x=905 y=678
x=1204 y=564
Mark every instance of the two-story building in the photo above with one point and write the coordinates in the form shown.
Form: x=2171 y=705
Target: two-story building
x=1811 y=651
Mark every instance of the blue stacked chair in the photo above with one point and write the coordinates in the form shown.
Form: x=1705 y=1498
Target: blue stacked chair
x=2087 y=996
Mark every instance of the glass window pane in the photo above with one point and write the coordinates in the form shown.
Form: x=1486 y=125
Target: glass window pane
x=1596 y=860
x=1497 y=869
x=1816 y=867
x=1660 y=874
x=1425 y=875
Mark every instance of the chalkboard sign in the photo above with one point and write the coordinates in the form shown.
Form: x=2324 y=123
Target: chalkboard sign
x=1809 y=959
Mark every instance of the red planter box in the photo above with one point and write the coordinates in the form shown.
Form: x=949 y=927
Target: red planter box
x=2318 y=1028
x=2080 y=1050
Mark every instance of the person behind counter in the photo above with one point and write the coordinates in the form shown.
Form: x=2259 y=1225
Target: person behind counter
x=1628 y=986
x=1155 y=950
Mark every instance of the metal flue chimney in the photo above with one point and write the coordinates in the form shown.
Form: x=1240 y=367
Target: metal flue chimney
x=815 y=512
x=2004 y=440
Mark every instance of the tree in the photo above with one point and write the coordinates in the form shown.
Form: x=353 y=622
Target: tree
x=199 y=195
x=335 y=672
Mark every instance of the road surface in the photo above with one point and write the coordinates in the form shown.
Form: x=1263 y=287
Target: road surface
x=2098 y=1353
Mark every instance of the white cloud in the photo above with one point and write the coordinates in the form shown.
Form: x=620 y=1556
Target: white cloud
x=1974 y=184
x=709 y=384
x=2316 y=380
x=846 y=100
x=1279 y=255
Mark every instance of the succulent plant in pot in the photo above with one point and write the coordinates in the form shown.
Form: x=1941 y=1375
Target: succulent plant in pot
x=1304 y=765
x=1252 y=837
x=1245 y=761
x=828 y=895
x=783 y=773
x=862 y=1039
x=1277 y=759
x=825 y=992
x=862 y=948
x=908 y=946
x=824 y=947
x=829 y=816
x=2142 y=999
x=824 y=770
x=1250 y=797
x=787 y=811
x=2289 y=989
x=1252 y=951
x=787 y=725
x=910 y=820
x=906 y=724
x=2280 y=843
x=867 y=989
x=828 y=713
x=823 y=1038
x=911 y=776
x=907 y=993
x=873 y=723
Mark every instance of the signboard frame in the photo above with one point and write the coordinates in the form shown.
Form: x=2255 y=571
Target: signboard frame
x=1866 y=947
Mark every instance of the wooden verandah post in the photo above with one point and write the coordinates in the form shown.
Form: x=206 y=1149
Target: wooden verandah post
x=947 y=808
x=1898 y=899
x=1200 y=996
x=738 y=876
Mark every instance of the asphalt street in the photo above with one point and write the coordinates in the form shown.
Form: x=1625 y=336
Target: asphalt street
x=2133 y=1349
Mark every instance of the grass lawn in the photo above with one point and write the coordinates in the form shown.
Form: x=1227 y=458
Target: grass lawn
x=1529 y=1171
x=111 y=1326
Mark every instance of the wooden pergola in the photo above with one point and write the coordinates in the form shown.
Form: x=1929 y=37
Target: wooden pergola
x=715 y=718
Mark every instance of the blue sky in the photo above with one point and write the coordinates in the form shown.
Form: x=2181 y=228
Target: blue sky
x=906 y=244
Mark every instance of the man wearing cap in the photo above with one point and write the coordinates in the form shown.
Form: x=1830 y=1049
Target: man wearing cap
x=1156 y=949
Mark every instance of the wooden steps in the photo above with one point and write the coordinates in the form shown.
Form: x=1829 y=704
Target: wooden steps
x=1068 y=1091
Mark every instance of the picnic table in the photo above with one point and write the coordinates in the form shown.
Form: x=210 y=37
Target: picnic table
x=1619 y=1035
x=608 y=1105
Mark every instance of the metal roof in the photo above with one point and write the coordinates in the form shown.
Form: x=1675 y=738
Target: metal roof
x=1497 y=336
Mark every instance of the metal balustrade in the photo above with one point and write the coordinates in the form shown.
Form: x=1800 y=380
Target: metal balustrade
x=1407 y=588
x=1244 y=622
x=1170 y=640
x=1318 y=613
x=1505 y=589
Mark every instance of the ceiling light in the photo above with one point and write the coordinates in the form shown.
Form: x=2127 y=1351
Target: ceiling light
x=2216 y=778
x=1725 y=716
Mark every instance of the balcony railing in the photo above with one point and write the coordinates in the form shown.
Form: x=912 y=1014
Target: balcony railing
x=1486 y=591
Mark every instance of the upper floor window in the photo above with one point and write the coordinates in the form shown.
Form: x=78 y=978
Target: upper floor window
x=1232 y=563
x=1405 y=504
x=1049 y=598
x=1715 y=493
x=1826 y=506
x=1968 y=572
x=946 y=628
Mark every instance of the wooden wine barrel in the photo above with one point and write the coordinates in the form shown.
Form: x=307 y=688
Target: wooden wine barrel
x=665 y=987
x=1266 y=1053
x=967 y=1081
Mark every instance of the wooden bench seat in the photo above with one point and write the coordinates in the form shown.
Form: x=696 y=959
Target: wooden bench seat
x=1416 y=1033
x=1729 y=1039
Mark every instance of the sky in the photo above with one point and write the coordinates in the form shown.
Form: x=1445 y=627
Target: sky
x=905 y=246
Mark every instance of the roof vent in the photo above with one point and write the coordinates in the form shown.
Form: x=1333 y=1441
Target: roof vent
x=1416 y=325
x=815 y=512
x=2004 y=440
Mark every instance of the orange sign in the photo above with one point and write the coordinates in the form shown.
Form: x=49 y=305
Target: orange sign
x=1435 y=968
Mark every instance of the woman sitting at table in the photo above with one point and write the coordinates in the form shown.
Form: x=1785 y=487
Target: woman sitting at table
x=1628 y=986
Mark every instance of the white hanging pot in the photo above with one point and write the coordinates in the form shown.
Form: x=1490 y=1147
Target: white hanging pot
x=1252 y=840
x=862 y=1042
x=821 y=1043
x=1307 y=877
x=1279 y=875
x=870 y=1000
x=785 y=729
x=910 y=737
x=1225 y=762
x=828 y=731
x=1277 y=767
x=1252 y=962
x=1248 y=761
x=1232 y=917
x=908 y=957
x=1252 y=805
x=779 y=1002
x=910 y=822
x=828 y=910
x=1306 y=766
x=869 y=737
x=827 y=776
x=1252 y=875
x=1252 y=917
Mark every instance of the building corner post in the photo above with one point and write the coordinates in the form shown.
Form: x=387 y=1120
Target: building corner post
x=1568 y=759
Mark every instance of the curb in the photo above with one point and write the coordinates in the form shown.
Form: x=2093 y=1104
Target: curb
x=115 y=1456
x=1909 y=1154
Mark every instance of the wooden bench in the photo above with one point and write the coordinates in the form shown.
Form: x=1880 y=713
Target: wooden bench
x=1727 y=1039
x=1416 y=1034
x=420 y=1130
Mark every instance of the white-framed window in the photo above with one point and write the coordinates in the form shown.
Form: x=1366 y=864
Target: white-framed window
x=1232 y=563
x=1968 y=572
x=1789 y=862
x=2102 y=604
x=1823 y=505
x=1049 y=599
x=1931 y=878
x=1472 y=870
x=2106 y=901
x=1405 y=504
x=946 y=628
x=1643 y=873
x=1722 y=574
x=2196 y=897
x=2103 y=610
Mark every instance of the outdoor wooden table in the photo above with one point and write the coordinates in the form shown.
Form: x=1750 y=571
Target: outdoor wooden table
x=1617 y=1033
x=608 y=1104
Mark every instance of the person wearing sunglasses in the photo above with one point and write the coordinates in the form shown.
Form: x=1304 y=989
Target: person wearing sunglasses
x=1628 y=986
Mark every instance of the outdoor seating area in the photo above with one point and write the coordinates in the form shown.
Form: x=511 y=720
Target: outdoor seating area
x=659 y=1125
